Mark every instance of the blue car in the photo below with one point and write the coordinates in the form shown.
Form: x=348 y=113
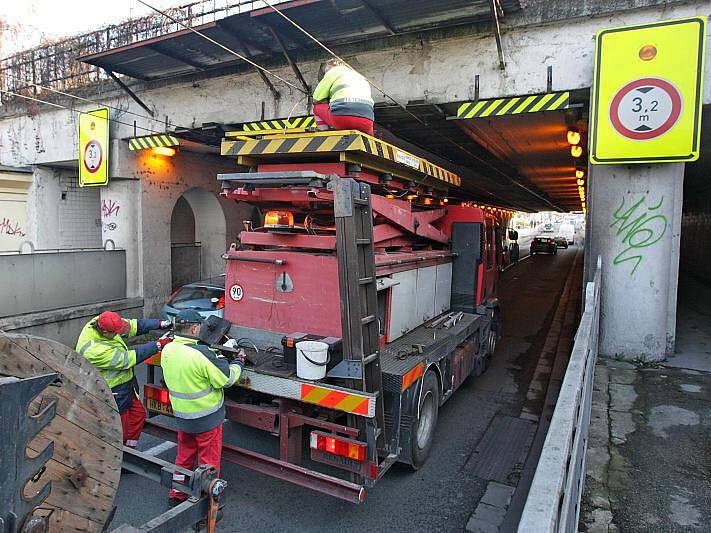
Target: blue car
x=206 y=297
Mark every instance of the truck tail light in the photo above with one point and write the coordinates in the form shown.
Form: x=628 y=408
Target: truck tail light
x=279 y=219
x=158 y=394
x=220 y=303
x=338 y=446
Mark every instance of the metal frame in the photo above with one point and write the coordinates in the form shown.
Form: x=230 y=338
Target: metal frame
x=17 y=429
x=553 y=502
x=202 y=486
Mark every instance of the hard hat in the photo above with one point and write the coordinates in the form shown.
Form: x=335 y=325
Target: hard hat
x=112 y=323
x=188 y=316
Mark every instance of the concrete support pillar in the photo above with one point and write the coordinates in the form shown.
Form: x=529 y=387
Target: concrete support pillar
x=120 y=225
x=43 y=201
x=635 y=225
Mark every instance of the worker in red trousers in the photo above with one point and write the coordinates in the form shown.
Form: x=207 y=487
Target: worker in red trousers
x=195 y=377
x=342 y=99
x=101 y=342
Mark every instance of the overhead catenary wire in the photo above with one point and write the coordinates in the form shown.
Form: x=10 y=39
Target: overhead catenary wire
x=225 y=48
x=404 y=107
x=59 y=106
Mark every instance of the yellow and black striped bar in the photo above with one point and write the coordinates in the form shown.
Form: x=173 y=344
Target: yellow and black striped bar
x=343 y=142
x=152 y=141
x=280 y=124
x=513 y=106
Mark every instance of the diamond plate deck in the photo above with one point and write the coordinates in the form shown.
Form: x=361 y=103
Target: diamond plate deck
x=437 y=343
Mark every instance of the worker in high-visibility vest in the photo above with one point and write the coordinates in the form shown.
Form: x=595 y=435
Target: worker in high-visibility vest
x=195 y=377
x=101 y=342
x=342 y=99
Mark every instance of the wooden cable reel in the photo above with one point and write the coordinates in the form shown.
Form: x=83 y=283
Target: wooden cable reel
x=85 y=467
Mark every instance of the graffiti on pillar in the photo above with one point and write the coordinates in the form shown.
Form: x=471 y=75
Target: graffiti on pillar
x=109 y=208
x=639 y=226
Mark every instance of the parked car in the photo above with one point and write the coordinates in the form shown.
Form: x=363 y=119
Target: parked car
x=207 y=297
x=560 y=241
x=543 y=244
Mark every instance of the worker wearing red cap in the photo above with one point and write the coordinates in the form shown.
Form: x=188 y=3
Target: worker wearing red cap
x=101 y=342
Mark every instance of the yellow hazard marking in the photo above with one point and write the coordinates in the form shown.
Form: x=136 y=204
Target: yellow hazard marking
x=512 y=106
x=152 y=141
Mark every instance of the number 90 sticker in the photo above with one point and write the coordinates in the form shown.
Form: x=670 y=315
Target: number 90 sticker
x=236 y=292
x=645 y=109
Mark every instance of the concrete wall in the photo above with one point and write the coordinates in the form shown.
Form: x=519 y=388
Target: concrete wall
x=64 y=325
x=634 y=225
x=13 y=208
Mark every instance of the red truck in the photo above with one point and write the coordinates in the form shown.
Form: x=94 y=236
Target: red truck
x=371 y=255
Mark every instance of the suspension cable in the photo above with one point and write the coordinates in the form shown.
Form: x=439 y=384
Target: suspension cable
x=227 y=49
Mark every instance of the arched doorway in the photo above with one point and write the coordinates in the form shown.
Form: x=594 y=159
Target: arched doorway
x=198 y=235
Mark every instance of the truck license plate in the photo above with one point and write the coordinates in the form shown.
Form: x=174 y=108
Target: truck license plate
x=158 y=407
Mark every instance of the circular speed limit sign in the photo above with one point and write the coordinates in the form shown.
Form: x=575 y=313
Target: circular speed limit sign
x=93 y=156
x=645 y=108
x=236 y=292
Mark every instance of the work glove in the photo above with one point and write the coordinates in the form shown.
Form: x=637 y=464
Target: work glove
x=162 y=342
x=241 y=357
x=166 y=324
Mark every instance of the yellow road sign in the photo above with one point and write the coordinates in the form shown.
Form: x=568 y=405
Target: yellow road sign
x=647 y=92
x=94 y=147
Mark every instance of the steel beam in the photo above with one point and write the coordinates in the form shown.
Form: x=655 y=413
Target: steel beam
x=378 y=14
x=289 y=59
x=177 y=57
x=295 y=474
x=128 y=91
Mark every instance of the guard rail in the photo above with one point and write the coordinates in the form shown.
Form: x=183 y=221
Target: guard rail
x=553 y=502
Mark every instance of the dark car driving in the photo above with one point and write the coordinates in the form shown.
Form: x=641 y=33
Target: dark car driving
x=544 y=244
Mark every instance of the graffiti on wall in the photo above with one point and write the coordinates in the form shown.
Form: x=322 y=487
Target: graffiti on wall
x=639 y=226
x=11 y=228
x=109 y=209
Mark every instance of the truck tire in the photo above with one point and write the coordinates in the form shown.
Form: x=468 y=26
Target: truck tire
x=492 y=340
x=423 y=429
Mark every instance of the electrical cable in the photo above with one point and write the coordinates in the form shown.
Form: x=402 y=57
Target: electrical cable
x=227 y=49
x=404 y=108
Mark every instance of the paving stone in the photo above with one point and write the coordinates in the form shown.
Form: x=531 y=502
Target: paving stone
x=498 y=495
x=621 y=425
x=474 y=525
x=489 y=513
x=622 y=397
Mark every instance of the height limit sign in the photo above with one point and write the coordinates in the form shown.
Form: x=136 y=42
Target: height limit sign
x=647 y=93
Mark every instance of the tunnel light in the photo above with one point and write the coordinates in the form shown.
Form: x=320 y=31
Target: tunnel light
x=166 y=151
x=279 y=219
x=579 y=173
x=581 y=182
x=576 y=151
x=573 y=136
x=445 y=200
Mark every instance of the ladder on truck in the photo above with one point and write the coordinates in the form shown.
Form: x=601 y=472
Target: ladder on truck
x=358 y=292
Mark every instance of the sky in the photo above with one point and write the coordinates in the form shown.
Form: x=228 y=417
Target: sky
x=30 y=20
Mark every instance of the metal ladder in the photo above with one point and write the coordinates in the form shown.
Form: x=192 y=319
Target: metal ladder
x=358 y=290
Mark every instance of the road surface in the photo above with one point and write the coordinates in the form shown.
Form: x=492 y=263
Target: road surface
x=439 y=497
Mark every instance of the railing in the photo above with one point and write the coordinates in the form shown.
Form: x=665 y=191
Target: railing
x=553 y=502
x=55 y=65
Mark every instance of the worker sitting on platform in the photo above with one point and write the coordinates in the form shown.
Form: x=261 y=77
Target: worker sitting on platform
x=195 y=377
x=101 y=342
x=342 y=99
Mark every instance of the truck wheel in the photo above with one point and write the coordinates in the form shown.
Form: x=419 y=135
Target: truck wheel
x=492 y=340
x=423 y=430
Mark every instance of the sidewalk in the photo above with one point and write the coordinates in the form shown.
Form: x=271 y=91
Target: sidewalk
x=649 y=459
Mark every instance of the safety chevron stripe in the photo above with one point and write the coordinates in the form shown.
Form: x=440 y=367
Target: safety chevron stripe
x=334 y=399
x=281 y=124
x=513 y=106
x=152 y=141
x=412 y=376
x=334 y=141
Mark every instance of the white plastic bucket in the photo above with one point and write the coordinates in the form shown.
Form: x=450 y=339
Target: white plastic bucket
x=311 y=359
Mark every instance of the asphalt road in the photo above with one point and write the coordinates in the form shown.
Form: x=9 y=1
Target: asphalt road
x=440 y=496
